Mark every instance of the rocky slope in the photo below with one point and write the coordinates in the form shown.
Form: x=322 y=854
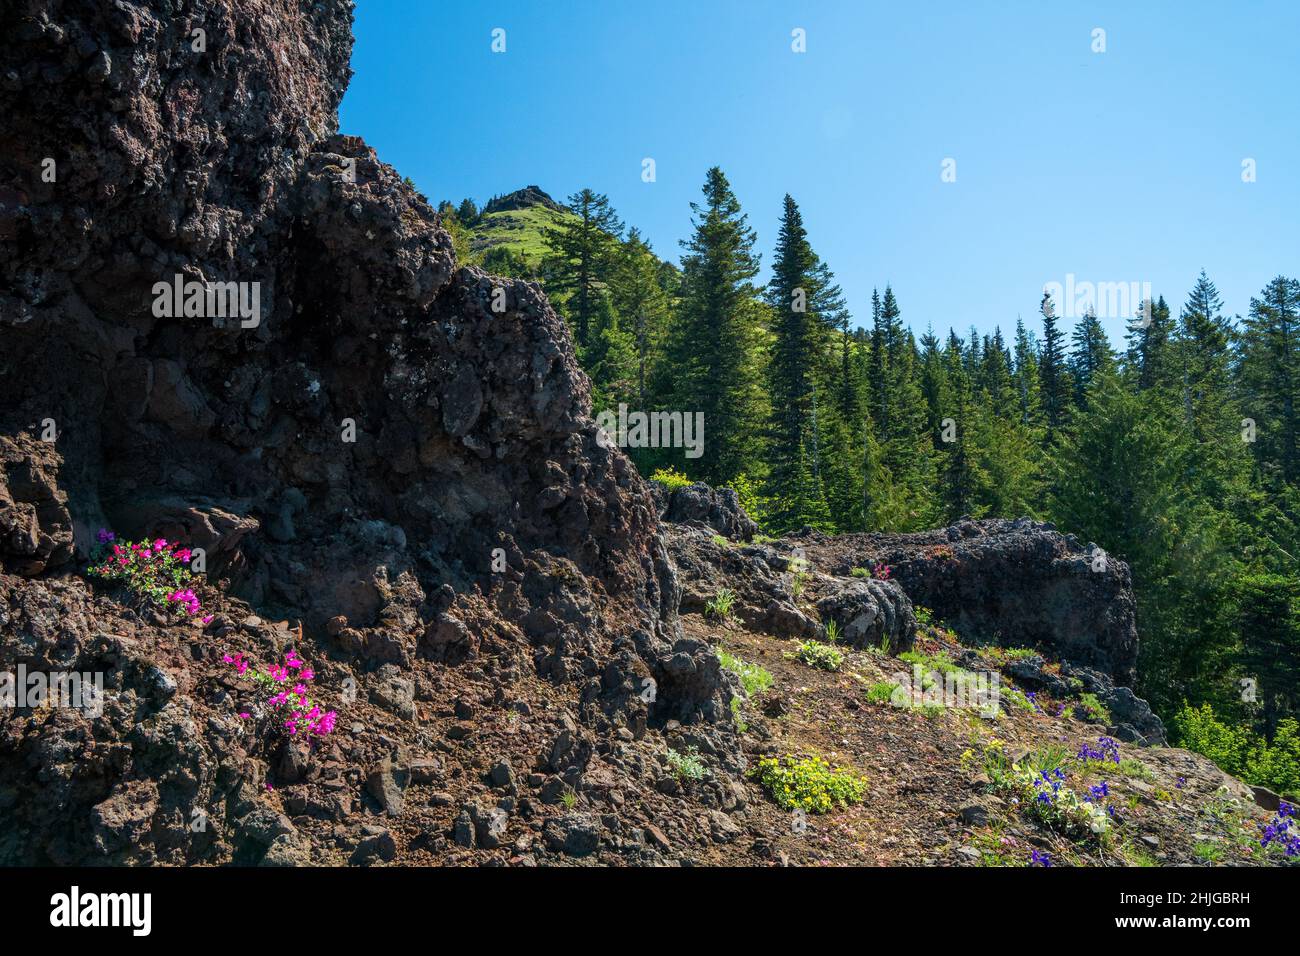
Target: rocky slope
x=391 y=467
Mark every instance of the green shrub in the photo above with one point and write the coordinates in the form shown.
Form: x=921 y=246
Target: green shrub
x=755 y=505
x=881 y=693
x=817 y=654
x=809 y=784
x=798 y=580
x=1092 y=709
x=1276 y=765
x=719 y=606
x=1198 y=729
x=738 y=715
x=671 y=478
x=753 y=679
x=1240 y=752
x=937 y=662
x=686 y=764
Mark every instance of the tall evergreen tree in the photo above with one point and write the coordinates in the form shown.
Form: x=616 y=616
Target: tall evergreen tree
x=1028 y=393
x=714 y=352
x=639 y=297
x=1053 y=377
x=995 y=378
x=958 y=481
x=1091 y=355
x=582 y=252
x=799 y=300
x=1149 y=334
x=1269 y=363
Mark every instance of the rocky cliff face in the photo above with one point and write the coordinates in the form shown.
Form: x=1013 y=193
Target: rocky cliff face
x=379 y=439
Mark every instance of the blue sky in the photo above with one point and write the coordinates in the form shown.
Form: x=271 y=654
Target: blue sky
x=1122 y=166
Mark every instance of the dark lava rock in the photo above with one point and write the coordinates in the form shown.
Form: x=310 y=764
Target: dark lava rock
x=1020 y=582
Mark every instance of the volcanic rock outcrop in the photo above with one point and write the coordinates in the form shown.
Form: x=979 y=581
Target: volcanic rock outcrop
x=1018 y=583
x=357 y=431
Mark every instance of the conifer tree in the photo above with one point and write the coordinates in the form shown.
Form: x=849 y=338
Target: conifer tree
x=1028 y=394
x=1053 y=377
x=713 y=356
x=639 y=297
x=581 y=255
x=1149 y=334
x=1090 y=357
x=1269 y=363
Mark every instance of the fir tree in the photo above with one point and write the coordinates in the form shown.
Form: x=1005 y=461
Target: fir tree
x=1091 y=355
x=1053 y=377
x=1269 y=363
x=714 y=353
x=581 y=254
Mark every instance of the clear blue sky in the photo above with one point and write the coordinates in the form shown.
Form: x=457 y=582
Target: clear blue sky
x=1115 y=166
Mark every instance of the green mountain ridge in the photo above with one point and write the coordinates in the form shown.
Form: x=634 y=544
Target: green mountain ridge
x=516 y=222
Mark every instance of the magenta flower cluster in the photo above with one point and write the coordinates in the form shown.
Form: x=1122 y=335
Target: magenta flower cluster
x=157 y=571
x=287 y=685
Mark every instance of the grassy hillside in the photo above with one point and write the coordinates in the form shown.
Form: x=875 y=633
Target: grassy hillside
x=520 y=230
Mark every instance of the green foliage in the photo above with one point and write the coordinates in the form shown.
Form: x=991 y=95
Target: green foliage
x=670 y=478
x=754 y=504
x=520 y=232
x=719 y=606
x=753 y=678
x=1208 y=852
x=817 y=654
x=714 y=351
x=798 y=581
x=882 y=692
x=686 y=764
x=1092 y=709
x=809 y=784
x=581 y=251
x=155 y=572
x=1274 y=764
x=1179 y=455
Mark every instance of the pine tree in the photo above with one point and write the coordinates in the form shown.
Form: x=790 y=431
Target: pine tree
x=467 y=212
x=639 y=297
x=933 y=385
x=1053 y=377
x=611 y=360
x=1028 y=394
x=714 y=352
x=1148 y=338
x=1269 y=371
x=995 y=378
x=1091 y=355
x=582 y=251
x=804 y=302
x=958 y=482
